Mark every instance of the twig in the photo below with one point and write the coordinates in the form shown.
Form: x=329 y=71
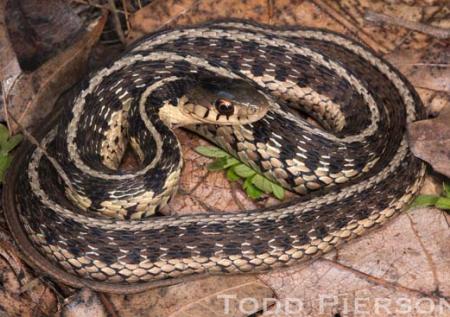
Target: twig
x=446 y=218
x=238 y=202
x=100 y=6
x=9 y=253
x=36 y=143
x=270 y=6
x=116 y=20
x=180 y=14
x=127 y=20
x=425 y=64
x=186 y=192
x=109 y=307
x=346 y=19
x=434 y=31
x=202 y=204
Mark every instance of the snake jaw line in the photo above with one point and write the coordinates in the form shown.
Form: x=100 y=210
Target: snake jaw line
x=172 y=115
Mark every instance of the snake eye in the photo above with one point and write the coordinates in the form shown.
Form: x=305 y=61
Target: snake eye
x=224 y=107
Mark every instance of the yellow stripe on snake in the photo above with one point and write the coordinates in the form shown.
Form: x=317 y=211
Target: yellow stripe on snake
x=84 y=222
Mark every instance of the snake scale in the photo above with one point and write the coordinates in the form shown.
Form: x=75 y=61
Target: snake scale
x=84 y=222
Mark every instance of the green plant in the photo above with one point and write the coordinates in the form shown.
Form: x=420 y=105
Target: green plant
x=7 y=144
x=441 y=202
x=254 y=184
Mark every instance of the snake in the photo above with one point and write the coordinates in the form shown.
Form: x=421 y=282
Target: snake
x=317 y=112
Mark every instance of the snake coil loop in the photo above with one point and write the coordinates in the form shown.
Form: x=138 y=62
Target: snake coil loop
x=356 y=171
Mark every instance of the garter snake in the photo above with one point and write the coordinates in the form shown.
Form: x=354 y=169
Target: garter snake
x=85 y=223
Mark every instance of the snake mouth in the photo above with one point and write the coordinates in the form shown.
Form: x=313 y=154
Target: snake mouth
x=210 y=114
x=225 y=101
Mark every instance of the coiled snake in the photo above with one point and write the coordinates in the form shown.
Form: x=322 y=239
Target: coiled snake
x=82 y=221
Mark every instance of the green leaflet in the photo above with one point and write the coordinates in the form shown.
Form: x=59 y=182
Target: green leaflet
x=278 y=191
x=441 y=202
x=218 y=164
x=247 y=183
x=7 y=144
x=11 y=143
x=425 y=201
x=231 y=161
x=211 y=151
x=5 y=161
x=262 y=183
x=4 y=134
x=244 y=171
x=254 y=184
x=232 y=176
x=446 y=187
x=253 y=192
x=222 y=163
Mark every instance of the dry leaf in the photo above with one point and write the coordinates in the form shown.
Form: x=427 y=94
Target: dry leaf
x=383 y=37
x=211 y=297
x=40 y=29
x=430 y=141
x=428 y=67
x=203 y=191
x=161 y=13
x=304 y=13
x=21 y=294
x=392 y=262
x=400 y=270
x=84 y=303
x=9 y=66
x=435 y=101
x=30 y=97
x=156 y=15
x=432 y=185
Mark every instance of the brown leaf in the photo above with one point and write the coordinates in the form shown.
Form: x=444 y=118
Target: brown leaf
x=349 y=13
x=401 y=269
x=203 y=191
x=84 y=303
x=430 y=141
x=213 y=296
x=9 y=66
x=30 y=97
x=432 y=185
x=40 y=29
x=392 y=262
x=305 y=13
x=161 y=13
x=383 y=37
x=434 y=101
x=427 y=67
x=156 y=15
x=21 y=294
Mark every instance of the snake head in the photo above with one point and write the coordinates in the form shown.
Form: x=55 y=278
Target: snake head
x=225 y=101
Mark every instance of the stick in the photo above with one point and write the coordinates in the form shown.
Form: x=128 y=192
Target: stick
x=117 y=25
x=36 y=143
x=434 y=31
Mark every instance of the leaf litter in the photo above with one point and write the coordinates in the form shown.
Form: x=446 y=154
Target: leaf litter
x=391 y=262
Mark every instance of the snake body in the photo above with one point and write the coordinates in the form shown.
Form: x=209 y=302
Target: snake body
x=357 y=171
